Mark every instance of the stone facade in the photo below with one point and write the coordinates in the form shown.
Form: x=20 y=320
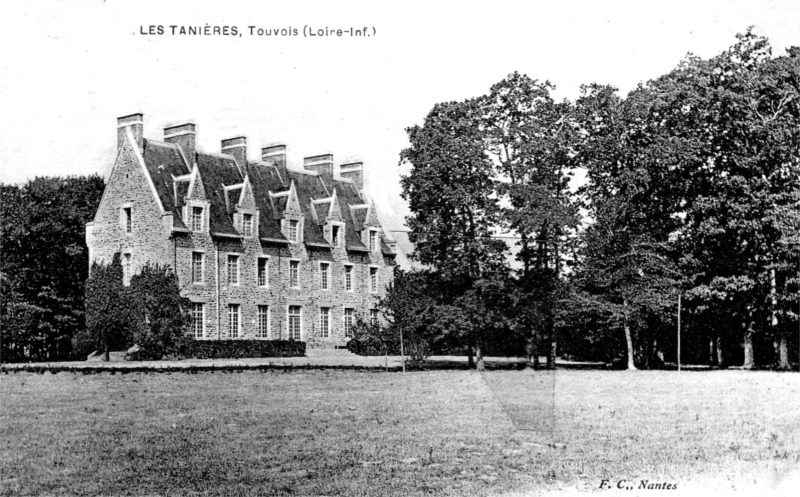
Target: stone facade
x=258 y=247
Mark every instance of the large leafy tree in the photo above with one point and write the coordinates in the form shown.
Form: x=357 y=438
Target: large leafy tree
x=451 y=194
x=44 y=264
x=530 y=138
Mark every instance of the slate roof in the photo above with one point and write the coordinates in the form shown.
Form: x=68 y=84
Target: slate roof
x=164 y=162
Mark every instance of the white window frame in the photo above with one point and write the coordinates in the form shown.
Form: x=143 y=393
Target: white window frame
x=202 y=280
x=298 y=237
x=297 y=261
x=237 y=258
x=259 y=330
x=349 y=270
x=348 y=327
x=127 y=218
x=289 y=317
x=127 y=268
x=338 y=241
x=248 y=233
x=376 y=269
x=325 y=325
x=202 y=330
x=374 y=241
x=192 y=218
x=266 y=271
x=325 y=275
x=373 y=316
x=238 y=314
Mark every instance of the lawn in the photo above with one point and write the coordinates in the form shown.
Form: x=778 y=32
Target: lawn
x=329 y=432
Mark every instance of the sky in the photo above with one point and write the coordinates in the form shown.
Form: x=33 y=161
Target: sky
x=69 y=68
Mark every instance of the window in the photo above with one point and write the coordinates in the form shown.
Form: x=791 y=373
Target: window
x=373 y=240
x=197 y=267
x=126 y=269
x=263 y=321
x=348 y=278
x=127 y=213
x=294 y=274
x=294 y=230
x=233 y=269
x=234 y=323
x=325 y=321
x=373 y=316
x=324 y=275
x=247 y=224
x=335 y=235
x=373 y=279
x=199 y=319
x=295 y=315
x=263 y=272
x=349 y=321
x=197 y=219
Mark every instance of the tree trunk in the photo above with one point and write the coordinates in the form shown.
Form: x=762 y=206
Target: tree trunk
x=749 y=359
x=551 y=353
x=628 y=338
x=107 y=355
x=479 y=366
x=783 y=352
x=533 y=351
x=470 y=359
x=720 y=354
x=712 y=357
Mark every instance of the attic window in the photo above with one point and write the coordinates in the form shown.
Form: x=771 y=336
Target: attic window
x=247 y=224
x=335 y=235
x=197 y=219
x=373 y=240
x=294 y=230
x=127 y=213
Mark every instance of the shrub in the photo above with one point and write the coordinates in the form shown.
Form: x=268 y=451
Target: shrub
x=239 y=349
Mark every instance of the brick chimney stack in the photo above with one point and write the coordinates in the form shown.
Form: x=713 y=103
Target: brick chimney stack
x=323 y=165
x=277 y=155
x=184 y=136
x=353 y=171
x=237 y=147
x=134 y=122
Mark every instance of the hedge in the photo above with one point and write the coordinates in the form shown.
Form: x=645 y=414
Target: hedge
x=236 y=349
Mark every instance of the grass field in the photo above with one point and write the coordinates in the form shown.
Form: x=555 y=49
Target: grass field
x=334 y=432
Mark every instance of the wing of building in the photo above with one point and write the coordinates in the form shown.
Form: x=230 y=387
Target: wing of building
x=261 y=250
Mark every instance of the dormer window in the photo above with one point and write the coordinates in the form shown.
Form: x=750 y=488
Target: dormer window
x=247 y=224
x=373 y=240
x=294 y=230
x=197 y=219
x=336 y=235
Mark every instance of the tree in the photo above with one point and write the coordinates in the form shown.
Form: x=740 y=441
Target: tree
x=111 y=310
x=162 y=314
x=451 y=195
x=530 y=137
x=44 y=264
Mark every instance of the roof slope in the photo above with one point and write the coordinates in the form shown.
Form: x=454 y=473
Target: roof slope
x=217 y=172
x=163 y=161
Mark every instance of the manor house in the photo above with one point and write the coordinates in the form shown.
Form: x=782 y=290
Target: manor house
x=261 y=250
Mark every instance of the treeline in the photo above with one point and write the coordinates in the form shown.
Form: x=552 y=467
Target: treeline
x=689 y=191
x=44 y=264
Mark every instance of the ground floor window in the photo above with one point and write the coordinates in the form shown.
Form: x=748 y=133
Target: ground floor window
x=373 y=316
x=349 y=321
x=295 y=316
x=199 y=319
x=325 y=321
x=234 y=323
x=263 y=321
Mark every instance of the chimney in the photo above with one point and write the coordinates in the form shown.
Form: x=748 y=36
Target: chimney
x=323 y=165
x=355 y=172
x=277 y=155
x=183 y=135
x=136 y=124
x=237 y=147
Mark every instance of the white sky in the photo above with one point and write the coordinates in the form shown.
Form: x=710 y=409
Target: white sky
x=68 y=69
